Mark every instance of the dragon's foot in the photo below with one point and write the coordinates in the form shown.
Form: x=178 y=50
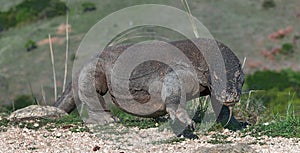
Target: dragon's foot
x=181 y=117
x=181 y=123
x=100 y=118
x=185 y=119
x=229 y=121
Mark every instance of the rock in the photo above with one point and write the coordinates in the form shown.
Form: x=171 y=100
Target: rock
x=37 y=111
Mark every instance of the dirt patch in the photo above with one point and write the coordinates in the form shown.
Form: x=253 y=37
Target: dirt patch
x=54 y=40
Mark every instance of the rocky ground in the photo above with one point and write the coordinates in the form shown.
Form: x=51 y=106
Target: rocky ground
x=117 y=138
x=22 y=131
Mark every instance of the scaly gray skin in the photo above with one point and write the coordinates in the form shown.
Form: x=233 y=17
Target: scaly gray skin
x=159 y=82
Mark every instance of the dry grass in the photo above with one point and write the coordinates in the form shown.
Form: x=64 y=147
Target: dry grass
x=187 y=7
x=67 y=50
x=53 y=68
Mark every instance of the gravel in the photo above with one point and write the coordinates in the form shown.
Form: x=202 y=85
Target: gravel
x=117 y=138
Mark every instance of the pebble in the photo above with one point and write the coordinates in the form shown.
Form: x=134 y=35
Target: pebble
x=36 y=125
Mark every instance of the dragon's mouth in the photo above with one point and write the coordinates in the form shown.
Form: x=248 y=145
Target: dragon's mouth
x=229 y=103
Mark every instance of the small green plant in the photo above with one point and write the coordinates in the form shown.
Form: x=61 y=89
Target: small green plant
x=263 y=103
x=79 y=129
x=72 y=118
x=21 y=102
x=30 y=45
x=267 y=4
x=287 y=49
x=73 y=57
x=88 y=7
x=219 y=138
x=4 y=122
x=251 y=108
x=216 y=127
x=287 y=126
x=73 y=122
x=200 y=110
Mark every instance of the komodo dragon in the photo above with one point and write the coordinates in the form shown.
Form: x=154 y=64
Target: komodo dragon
x=162 y=84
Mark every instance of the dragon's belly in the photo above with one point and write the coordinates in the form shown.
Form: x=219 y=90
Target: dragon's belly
x=145 y=91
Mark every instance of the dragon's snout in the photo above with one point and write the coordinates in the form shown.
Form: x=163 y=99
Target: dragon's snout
x=230 y=97
x=232 y=93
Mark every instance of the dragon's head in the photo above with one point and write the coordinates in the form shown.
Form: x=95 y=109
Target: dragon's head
x=232 y=93
x=234 y=78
